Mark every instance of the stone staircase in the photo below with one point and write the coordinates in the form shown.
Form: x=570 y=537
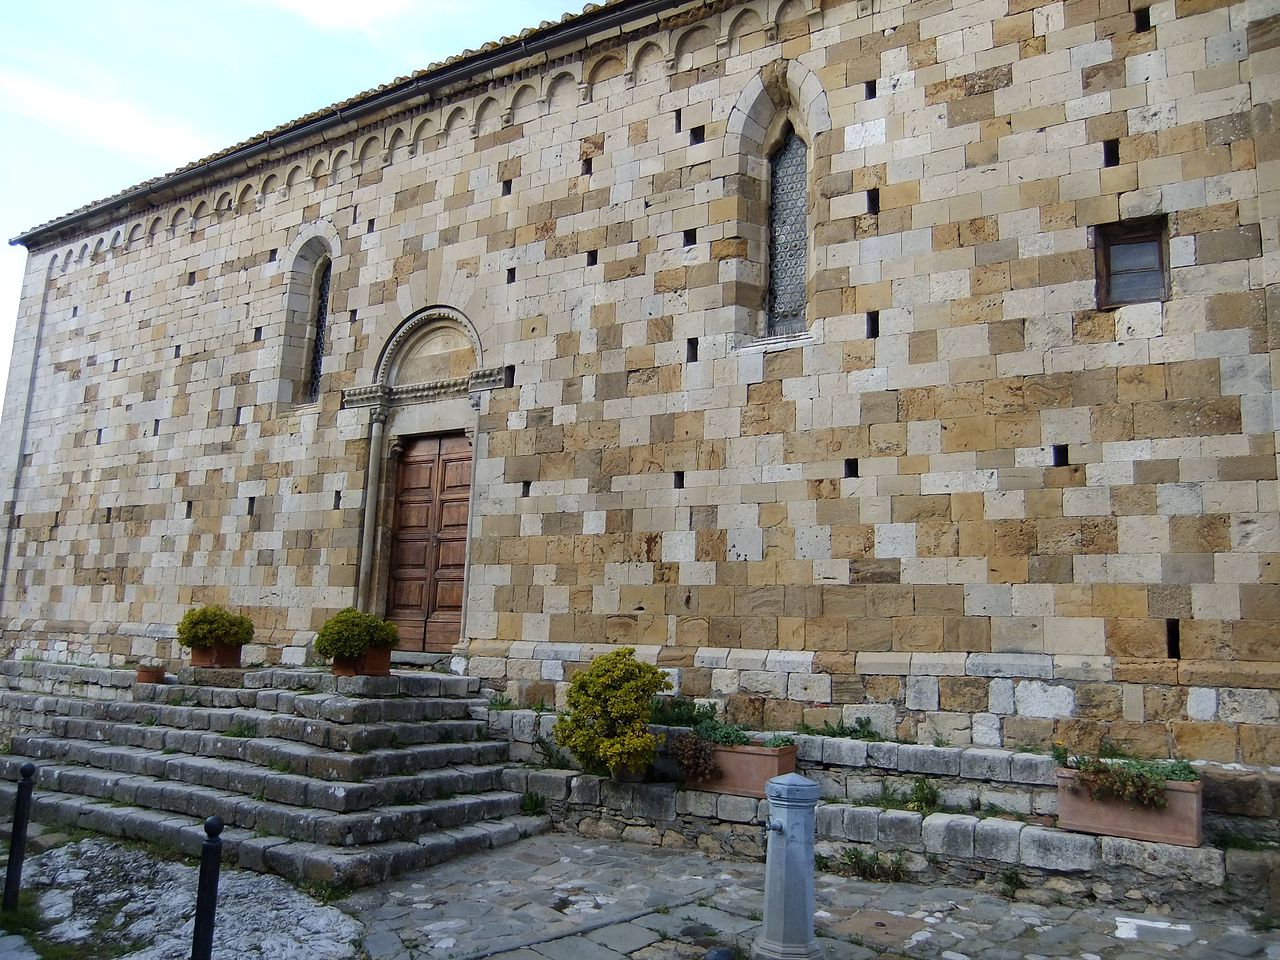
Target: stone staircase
x=335 y=782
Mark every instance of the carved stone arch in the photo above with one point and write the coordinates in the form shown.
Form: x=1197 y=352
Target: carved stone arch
x=602 y=69
x=696 y=37
x=488 y=117
x=116 y=237
x=745 y=23
x=292 y=181
x=319 y=170
x=135 y=234
x=245 y=196
x=784 y=97
x=412 y=333
x=201 y=212
x=370 y=153
x=270 y=184
x=422 y=129
x=421 y=391
x=223 y=204
x=456 y=121
x=340 y=165
x=560 y=90
x=524 y=104
x=649 y=62
x=398 y=139
x=316 y=245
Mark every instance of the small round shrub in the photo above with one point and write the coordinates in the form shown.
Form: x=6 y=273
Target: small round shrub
x=205 y=626
x=349 y=633
x=607 y=724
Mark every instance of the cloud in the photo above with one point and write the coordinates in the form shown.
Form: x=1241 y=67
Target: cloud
x=112 y=123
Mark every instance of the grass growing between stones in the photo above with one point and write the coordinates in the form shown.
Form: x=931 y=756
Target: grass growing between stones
x=533 y=804
x=26 y=921
x=879 y=867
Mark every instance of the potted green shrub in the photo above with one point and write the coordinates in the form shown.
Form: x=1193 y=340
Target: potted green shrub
x=359 y=643
x=1156 y=800
x=149 y=673
x=214 y=635
x=719 y=757
x=607 y=723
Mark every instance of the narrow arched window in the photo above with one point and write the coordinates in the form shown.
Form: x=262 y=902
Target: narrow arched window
x=788 y=235
x=319 y=327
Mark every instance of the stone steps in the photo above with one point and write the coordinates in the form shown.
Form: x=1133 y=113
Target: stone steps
x=376 y=825
x=340 y=780
x=334 y=868
x=275 y=783
x=334 y=707
x=93 y=720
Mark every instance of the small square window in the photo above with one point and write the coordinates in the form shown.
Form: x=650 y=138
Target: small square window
x=128 y=295
x=697 y=135
x=586 y=167
x=1061 y=456
x=1111 y=153
x=873 y=324
x=869 y=90
x=1142 y=20
x=690 y=237
x=257 y=334
x=511 y=274
x=691 y=350
x=873 y=200
x=593 y=257
x=506 y=188
x=1133 y=263
x=75 y=312
x=679 y=118
x=369 y=227
x=851 y=467
x=678 y=480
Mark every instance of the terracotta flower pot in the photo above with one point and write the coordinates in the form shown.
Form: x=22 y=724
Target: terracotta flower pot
x=1178 y=822
x=746 y=769
x=150 y=674
x=225 y=655
x=375 y=662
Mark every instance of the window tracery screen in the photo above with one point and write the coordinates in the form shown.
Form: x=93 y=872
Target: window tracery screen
x=788 y=236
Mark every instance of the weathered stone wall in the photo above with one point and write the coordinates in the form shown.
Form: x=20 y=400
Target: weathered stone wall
x=1044 y=862
x=828 y=526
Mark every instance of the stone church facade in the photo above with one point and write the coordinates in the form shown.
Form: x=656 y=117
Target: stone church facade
x=899 y=360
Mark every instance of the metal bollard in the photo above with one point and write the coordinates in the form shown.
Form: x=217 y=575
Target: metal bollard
x=207 y=892
x=787 y=931
x=18 y=840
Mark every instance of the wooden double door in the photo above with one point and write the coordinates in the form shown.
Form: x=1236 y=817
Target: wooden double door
x=429 y=543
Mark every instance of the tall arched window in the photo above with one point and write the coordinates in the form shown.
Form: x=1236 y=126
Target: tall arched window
x=788 y=235
x=319 y=324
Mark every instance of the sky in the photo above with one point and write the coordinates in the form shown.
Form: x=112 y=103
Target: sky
x=98 y=96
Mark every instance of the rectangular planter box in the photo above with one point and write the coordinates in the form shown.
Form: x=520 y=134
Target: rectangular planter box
x=1178 y=822
x=745 y=770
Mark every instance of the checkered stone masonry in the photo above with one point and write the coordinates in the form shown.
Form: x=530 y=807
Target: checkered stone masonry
x=974 y=521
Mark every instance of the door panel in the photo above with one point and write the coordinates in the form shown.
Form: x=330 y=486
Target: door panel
x=428 y=555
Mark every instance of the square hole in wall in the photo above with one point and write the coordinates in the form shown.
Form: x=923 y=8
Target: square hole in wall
x=873 y=324
x=506 y=188
x=1111 y=153
x=369 y=227
x=128 y=295
x=677 y=479
x=257 y=334
x=873 y=200
x=337 y=499
x=509 y=375
x=679 y=119
x=155 y=428
x=188 y=510
x=586 y=167
x=593 y=257
x=75 y=312
x=691 y=350
x=851 y=467
x=191 y=279
x=99 y=439
x=115 y=366
x=253 y=505
x=1142 y=20
x=1061 y=458
x=690 y=237
x=1173 y=638
x=525 y=487
x=511 y=274
x=697 y=135
x=271 y=257
x=869 y=90
x=177 y=352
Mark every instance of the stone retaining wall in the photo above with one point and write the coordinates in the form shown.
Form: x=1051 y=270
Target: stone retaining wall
x=1238 y=800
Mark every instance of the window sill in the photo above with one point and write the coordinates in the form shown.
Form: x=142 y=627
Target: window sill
x=787 y=341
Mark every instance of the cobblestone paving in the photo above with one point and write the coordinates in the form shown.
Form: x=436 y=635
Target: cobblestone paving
x=562 y=897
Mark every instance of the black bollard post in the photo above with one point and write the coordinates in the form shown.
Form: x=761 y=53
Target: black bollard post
x=18 y=840
x=207 y=892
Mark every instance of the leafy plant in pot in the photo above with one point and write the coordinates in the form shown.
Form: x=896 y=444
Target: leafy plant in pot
x=358 y=643
x=607 y=723
x=214 y=635
x=719 y=757
x=1156 y=800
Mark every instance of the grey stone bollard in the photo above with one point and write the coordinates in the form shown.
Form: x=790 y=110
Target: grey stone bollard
x=787 y=931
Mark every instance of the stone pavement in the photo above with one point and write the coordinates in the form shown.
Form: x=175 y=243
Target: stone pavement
x=564 y=897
